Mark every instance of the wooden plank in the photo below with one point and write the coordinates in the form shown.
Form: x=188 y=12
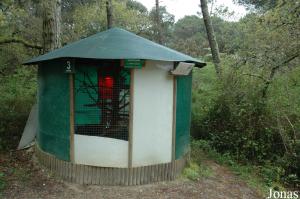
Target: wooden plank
x=70 y=166
x=54 y=165
x=138 y=176
x=63 y=170
x=164 y=174
x=151 y=173
x=167 y=172
x=142 y=175
x=123 y=176
x=126 y=177
x=173 y=171
x=88 y=173
x=104 y=176
x=93 y=175
x=84 y=174
x=80 y=168
x=73 y=172
x=101 y=176
x=115 y=176
x=174 y=119
x=130 y=176
x=130 y=133
x=159 y=172
x=147 y=174
x=45 y=160
x=62 y=174
x=107 y=177
x=97 y=176
x=119 y=176
x=67 y=173
x=50 y=166
x=72 y=121
x=155 y=173
x=134 y=176
x=110 y=176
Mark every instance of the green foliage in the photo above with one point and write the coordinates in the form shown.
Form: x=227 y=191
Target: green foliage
x=90 y=18
x=259 y=4
x=165 y=27
x=134 y=5
x=2 y=182
x=252 y=113
x=258 y=177
x=196 y=168
x=192 y=171
x=189 y=35
x=240 y=124
x=17 y=96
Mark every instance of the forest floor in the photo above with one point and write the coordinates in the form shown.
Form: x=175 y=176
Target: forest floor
x=20 y=177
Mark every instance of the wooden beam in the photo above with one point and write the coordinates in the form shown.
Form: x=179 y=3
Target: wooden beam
x=130 y=136
x=174 y=118
x=72 y=116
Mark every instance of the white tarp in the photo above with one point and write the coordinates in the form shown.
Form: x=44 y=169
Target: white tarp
x=30 y=129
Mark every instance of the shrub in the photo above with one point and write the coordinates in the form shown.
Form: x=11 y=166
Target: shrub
x=236 y=120
x=17 y=96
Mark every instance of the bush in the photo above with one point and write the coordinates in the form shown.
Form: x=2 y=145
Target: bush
x=192 y=171
x=236 y=120
x=18 y=92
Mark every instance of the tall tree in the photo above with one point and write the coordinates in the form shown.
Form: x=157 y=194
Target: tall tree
x=158 y=22
x=211 y=37
x=51 y=25
x=109 y=14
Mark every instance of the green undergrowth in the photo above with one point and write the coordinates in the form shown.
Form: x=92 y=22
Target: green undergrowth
x=2 y=183
x=195 y=171
x=260 y=178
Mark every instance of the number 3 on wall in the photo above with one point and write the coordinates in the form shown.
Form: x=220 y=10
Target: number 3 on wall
x=69 y=67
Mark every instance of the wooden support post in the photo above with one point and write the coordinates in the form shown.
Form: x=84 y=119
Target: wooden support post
x=72 y=116
x=130 y=138
x=174 y=118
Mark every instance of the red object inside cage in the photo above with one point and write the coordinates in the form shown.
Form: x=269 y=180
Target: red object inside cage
x=106 y=85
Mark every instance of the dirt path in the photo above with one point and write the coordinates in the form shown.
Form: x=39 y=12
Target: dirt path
x=25 y=180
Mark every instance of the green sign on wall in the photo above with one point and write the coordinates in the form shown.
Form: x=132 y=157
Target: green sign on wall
x=133 y=63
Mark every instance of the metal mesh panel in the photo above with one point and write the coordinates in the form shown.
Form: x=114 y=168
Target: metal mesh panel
x=102 y=101
x=53 y=110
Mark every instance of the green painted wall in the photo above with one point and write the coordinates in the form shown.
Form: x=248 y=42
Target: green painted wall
x=54 y=108
x=86 y=93
x=183 y=114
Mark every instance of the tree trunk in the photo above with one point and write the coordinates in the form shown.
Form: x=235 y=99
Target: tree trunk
x=109 y=14
x=51 y=25
x=211 y=37
x=158 y=24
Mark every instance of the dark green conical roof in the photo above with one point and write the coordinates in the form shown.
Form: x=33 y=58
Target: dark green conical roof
x=116 y=43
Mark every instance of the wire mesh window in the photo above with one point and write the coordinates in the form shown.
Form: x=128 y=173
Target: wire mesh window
x=102 y=97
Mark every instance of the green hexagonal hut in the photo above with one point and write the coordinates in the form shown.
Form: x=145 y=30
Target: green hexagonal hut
x=114 y=108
